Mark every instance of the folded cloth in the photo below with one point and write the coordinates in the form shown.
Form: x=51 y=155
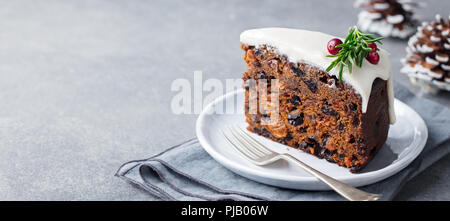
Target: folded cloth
x=187 y=172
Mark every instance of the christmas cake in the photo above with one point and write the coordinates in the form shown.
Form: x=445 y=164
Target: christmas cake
x=330 y=104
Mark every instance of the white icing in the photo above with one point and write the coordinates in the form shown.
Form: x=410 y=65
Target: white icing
x=418 y=75
x=447 y=46
x=420 y=34
x=431 y=61
x=445 y=67
x=441 y=84
x=382 y=27
x=430 y=85
x=433 y=74
x=403 y=60
x=424 y=48
x=413 y=72
x=394 y=19
x=419 y=69
x=446 y=32
x=442 y=59
x=310 y=47
x=408 y=7
x=435 y=39
x=381 y=6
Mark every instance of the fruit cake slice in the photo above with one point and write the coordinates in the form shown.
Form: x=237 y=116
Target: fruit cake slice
x=344 y=121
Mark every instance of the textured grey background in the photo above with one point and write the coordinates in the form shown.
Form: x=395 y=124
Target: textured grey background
x=85 y=85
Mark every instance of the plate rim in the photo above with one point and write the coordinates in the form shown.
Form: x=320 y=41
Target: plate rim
x=374 y=176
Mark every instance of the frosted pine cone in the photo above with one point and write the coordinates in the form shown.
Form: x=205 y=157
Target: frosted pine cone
x=428 y=55
x=388 y=18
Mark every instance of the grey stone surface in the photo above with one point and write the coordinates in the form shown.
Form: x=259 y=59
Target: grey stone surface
x=85 y=85
x=432 y=184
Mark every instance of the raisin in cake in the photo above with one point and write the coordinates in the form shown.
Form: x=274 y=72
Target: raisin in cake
x=345 y=122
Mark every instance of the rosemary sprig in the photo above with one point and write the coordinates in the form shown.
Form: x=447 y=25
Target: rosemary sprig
x=353 y=51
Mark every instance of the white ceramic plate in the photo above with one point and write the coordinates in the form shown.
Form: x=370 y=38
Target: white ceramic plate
x=406 y=139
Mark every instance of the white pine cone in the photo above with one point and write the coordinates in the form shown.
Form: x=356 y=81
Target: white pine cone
x=388 y=18
x=428 y=55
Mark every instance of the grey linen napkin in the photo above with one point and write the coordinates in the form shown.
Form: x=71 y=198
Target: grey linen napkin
x=187 y=172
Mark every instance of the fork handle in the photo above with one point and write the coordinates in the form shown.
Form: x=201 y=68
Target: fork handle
x=345 y=190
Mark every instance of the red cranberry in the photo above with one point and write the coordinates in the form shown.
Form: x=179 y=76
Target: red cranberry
x=331 y=46
x=373 y=45
x=373 y=57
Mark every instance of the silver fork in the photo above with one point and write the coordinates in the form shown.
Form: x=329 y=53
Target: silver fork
x=258 y=154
